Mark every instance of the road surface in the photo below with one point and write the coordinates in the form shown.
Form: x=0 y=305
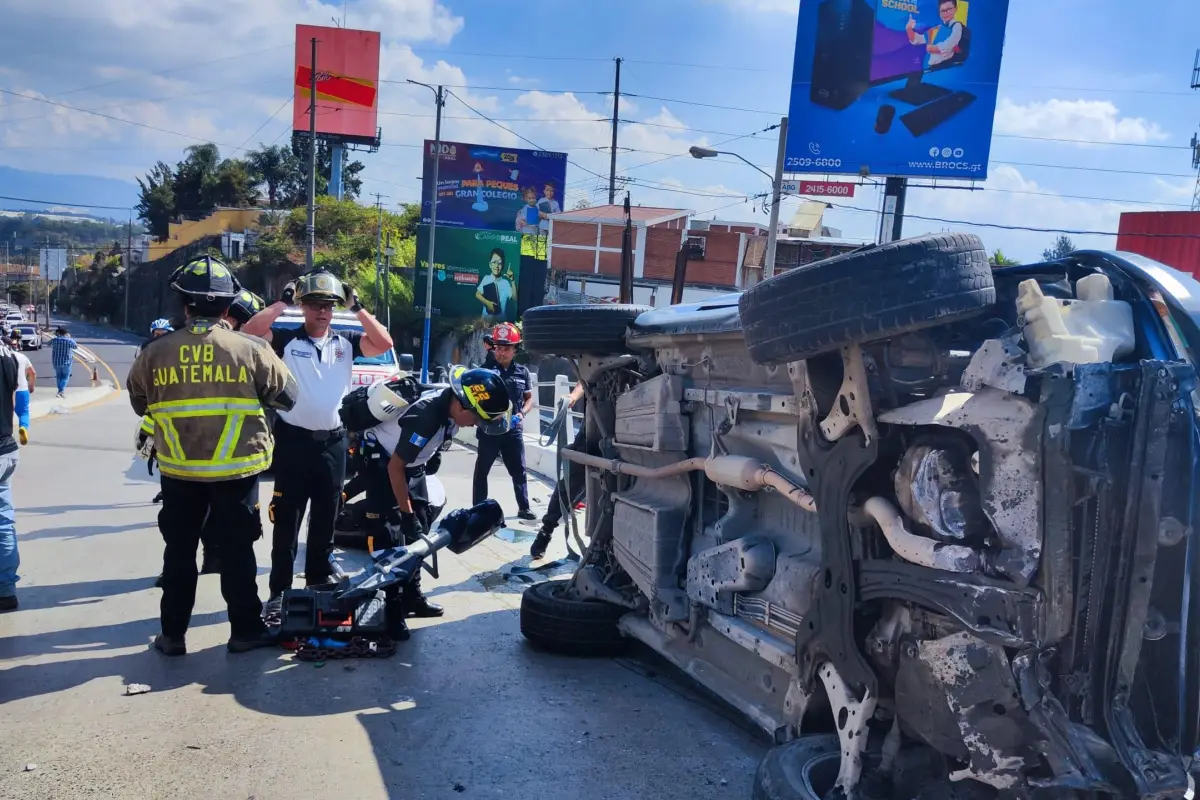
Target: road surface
x=464 y=709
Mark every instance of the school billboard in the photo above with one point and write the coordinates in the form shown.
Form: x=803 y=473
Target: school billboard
x=484 y=187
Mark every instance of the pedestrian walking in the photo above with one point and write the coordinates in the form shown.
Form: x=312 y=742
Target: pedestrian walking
x=205 y=387
x=26 y=378
x=311 y=446
x=62 y=353
x=10 y=559
x=508 y=445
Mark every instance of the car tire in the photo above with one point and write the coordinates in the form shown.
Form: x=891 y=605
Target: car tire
x=578 y=330
x=803 y=769
x=570 y=627
x=867 y=296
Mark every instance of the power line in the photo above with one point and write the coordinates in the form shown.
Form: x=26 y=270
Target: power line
x=506 y=88
x=127 y=103
x=1089 y=141
x=1096 y=169
x=57 y=203
x=265 y=124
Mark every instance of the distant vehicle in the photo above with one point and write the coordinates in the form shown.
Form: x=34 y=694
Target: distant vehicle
x=31 y=338
x=13 y=316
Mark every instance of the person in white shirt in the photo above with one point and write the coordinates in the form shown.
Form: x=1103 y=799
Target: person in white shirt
x=310 y=441
x=547 y=206
x=26 y=377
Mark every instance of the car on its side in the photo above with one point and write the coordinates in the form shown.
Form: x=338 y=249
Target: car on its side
x=930 y=524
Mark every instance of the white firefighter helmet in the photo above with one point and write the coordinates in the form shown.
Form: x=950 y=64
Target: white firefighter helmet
x=384 y=403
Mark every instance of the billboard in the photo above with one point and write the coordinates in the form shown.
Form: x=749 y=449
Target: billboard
x=494 y=188
x=347 y=83
x=895 y=87
x=476 y=273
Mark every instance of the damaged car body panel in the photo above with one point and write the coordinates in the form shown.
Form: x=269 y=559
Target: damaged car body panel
x=961 y=538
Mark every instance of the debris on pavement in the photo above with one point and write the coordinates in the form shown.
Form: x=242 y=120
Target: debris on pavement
x=136 y=688
x=458 y=787
x=30 y=767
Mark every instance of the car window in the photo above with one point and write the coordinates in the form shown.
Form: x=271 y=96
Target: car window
x=384 y=359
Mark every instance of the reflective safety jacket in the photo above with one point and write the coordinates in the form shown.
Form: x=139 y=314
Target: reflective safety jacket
x=205 y=387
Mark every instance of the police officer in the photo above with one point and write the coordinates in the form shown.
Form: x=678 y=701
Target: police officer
x=412 y=444
x=510 y=444
x=310 y=458
x=205 y=387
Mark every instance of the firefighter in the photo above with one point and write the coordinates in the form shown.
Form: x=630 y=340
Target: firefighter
x=510 y=444
x=205 y=388
x=410 y=448
x=311 y=463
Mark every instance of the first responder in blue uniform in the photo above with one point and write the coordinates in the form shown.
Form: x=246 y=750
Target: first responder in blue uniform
x=509 y=445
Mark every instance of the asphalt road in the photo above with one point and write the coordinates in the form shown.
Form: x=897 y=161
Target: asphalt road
x=114 y=348
x=464 y=709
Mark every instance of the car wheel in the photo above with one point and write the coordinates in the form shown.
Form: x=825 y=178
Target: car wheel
x=867 y=296
x=803 y=769
x=572 y=627
x=577 y=330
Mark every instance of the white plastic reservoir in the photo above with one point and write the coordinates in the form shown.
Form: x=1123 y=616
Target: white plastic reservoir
x=1090 y=329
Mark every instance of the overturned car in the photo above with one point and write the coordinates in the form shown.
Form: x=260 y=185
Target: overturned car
x=927 y=523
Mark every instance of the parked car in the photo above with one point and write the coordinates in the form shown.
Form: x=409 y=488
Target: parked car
x=31 y=337
x=928 y=524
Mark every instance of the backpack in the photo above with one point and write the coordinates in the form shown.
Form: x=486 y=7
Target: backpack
x=963 y=51
x=358 y=413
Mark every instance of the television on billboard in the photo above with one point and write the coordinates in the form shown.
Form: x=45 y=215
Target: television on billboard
x=902 y=88
x=347 y=83
x=476 y=273
x=494 y=188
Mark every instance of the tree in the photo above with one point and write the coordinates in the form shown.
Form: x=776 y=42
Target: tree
x=1063 y=246
x=234 y=186
x=196 y=178
x=156 y=203
x=275 y=166
x=18 y=293
x=351 y=182
x=408 y=219
x=581 y=204
x=998 y=259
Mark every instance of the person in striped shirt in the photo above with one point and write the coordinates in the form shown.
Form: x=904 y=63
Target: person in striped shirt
x=62 y=351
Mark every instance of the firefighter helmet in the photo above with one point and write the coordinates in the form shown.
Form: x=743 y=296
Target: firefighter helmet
x=483 y=392
x=506 y=333
x=320 y=285
x=205 y=278
x=245 y=306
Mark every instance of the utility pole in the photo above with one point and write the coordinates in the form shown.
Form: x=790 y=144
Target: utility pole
x=439 y=100
x=128 y=265
x=378 y=247
x=46 y=281
x=311 y=225
x=1196 y=140
x=387 y=282
x=776 y=197
x=612 y=160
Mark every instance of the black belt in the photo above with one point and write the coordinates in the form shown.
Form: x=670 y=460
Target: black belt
x=320 y=436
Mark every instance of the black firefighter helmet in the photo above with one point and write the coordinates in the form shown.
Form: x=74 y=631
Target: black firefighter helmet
x=206 y=280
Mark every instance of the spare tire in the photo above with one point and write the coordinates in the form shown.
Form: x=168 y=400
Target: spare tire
x=803 y=769
x=578 y=330
x=572 y=627
x=867 y=296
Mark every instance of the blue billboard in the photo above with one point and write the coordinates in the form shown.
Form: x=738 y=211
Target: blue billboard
x=895 y=87
x=494 y=188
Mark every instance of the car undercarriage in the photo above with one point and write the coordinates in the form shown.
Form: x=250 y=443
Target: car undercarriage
x=926 y=523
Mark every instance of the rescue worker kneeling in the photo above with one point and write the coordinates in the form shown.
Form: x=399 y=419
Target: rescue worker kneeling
x=401 y=451
x=205 y=387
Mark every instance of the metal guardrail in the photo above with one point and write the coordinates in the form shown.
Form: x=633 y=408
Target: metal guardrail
x=545 y=415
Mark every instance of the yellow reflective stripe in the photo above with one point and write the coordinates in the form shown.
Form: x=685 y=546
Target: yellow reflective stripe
x=229 y=436
x=148 y=425
x=219 y=404
x=215 y=469
x=171 y=439
x=213 y=472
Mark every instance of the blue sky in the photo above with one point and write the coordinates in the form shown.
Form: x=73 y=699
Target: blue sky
x=1072 y=70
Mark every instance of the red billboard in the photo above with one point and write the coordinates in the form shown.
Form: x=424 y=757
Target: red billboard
x=1170 y=237
x=347 y=83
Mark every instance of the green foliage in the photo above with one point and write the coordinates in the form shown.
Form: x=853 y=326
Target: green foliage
x=31 y=231
x=19 y=293
x=998 y=259
x=1063 y=246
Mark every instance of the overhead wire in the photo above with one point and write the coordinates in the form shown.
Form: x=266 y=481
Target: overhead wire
x=265 y=124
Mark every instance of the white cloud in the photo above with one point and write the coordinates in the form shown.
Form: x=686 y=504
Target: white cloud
x=1092 y=120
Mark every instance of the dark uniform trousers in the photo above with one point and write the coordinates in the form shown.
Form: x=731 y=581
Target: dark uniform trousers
x=511 y=448
x=382 y=520
x=576 y=484
x=233 y=513
x=307 y=468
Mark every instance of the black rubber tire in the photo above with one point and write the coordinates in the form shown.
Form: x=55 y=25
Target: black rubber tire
x=571 y=627
x=803 y=769
x=578 y=330
x=889 y=290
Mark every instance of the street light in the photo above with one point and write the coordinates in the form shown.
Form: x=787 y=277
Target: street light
x=776 y=189
x=439 y=100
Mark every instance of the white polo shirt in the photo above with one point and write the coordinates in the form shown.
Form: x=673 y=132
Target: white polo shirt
x=22 y=375
x=323 y=369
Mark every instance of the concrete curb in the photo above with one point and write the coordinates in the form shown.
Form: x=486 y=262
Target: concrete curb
x=59 y=405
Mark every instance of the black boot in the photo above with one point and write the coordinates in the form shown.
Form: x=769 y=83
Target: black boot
x=170 y=645
x=415 y=603
x=397 y=628
x=540 y=543
x=158 y=581
x=157 y=498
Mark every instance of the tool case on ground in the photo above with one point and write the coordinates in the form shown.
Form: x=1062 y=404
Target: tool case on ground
x=313 y=612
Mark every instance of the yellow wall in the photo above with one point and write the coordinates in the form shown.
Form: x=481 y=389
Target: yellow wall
x=217 y=222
